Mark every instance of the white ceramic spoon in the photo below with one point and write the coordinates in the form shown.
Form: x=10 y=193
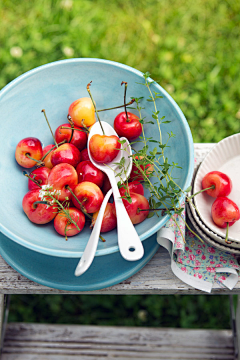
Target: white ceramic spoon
x=129 y=243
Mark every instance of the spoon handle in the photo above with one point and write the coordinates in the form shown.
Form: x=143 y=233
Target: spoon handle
x=129 y=243
x=90 y=250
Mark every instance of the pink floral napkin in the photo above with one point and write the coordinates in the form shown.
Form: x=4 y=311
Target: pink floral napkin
x=195 y=262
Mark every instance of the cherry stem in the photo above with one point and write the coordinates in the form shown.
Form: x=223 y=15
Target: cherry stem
x=85 y=130
x=79 y=202
x=226 y=238
x=37 y=161
x=117 y=107
x=72 y=127
x=35 y=181
x=88 y=89
x=211 y=187
x=53 y=148
x=44 y=112
x=125 y=92
x=102 y=238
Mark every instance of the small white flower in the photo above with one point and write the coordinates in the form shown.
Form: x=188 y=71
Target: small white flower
x=16 y=51
x=66 y=4
x=68 y=51
x=46 y=187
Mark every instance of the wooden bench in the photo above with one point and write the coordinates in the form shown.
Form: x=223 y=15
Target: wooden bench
x=23 y=341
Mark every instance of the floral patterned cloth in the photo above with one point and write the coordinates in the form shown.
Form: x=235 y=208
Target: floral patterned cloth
x=194 y=261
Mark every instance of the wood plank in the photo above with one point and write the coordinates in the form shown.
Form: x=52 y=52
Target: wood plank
x=51 y=342
x=155 y=278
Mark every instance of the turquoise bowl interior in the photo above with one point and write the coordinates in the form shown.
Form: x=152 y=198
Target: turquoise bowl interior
x=54 y=87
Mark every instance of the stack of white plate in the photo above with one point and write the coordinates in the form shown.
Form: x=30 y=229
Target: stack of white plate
x=224 y=157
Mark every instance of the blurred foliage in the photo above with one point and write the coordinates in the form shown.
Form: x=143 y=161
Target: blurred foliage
x=184 y=311
x=192 y=49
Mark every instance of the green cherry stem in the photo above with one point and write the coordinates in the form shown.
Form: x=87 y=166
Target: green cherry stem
x=35 y=181
x=79 y=202
x=89 y=92
x=102 y=238
x=53 y=148
x=125 y=92
x=211 y=187
x=37 y=161
x=118 y=107
x=44 y=112
x=85 y=130
x=226 y=238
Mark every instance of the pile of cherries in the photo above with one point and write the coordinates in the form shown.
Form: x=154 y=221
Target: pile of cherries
x=75 y=182
x=224 y=211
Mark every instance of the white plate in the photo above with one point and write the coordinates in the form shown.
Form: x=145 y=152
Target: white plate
x=224 y=157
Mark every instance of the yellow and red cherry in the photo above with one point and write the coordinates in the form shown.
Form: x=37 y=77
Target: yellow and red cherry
x=36 y=212
x=128 y=125
x=109 y=221
x=104 y=148
x=82 y=112
x=88 y=172
x=62 y=225
x=221 y=184
x=79 y=138
x=224 y=212
x=138 y=203
x=89 y=195
x=66 y=153
x=47 y=160
x=28 y=152
x=40 y=175
x=61 y=177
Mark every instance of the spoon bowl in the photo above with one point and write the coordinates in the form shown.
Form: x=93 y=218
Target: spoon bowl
x=129 y=243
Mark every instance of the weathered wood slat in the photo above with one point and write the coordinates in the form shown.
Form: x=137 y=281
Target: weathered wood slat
x=155 y=278
x=50 y=342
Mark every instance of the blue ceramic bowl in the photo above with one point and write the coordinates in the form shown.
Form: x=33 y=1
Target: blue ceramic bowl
x=54 y=87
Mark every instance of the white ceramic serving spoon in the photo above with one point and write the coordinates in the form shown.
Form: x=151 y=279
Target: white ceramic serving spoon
x=129 y=243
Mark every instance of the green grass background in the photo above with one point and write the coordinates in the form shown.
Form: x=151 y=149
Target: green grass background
x=192 y=49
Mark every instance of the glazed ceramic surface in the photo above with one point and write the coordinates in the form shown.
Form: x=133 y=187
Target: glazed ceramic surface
x=105 y=271
x=54 y=87
x=224 y=157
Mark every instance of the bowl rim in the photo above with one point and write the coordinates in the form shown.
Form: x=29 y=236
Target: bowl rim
x=188 y=142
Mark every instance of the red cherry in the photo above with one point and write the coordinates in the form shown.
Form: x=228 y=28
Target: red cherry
x=28 y=147
x=133 y=187
x=40 y=175
x=222 y=183
x=130 y=127
x=224 y=211
x=88 y=172
x=109 y=221
x=62 y=226
x=136 y=174
x=84 y=155
x=66 y=153
x=89 y=195
x=134 y=208
x=79 y=138
x=37 y=213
